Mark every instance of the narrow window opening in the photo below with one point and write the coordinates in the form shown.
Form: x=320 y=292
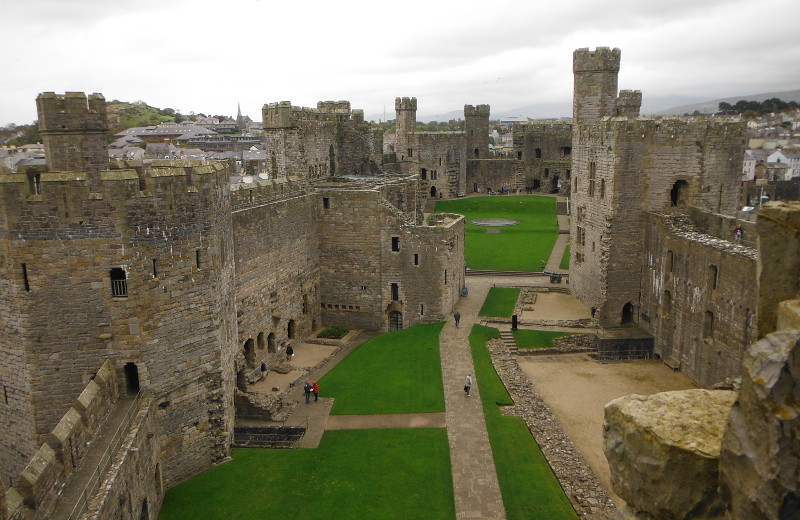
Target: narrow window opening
x=708 y=325
x=538 y=153
x=25 y=277
x=567 y=150
x=395 y=243
x=440 y=161
x=34 y=183
x=142 y=184
x=666 y=307
x=395 y=292
x=602 y=188
x=155 y=268
x=119 y=283
x=519 y=156
x=477 y=153
x=305 y=304
x=424 y=174
x=421 y=312
x=712 y=277
x=547 y=172
x=5 y=393
x=416 y=258
x=197 y=258
x=445 y=276
x=670 y=261
x=410 y=153
x=326 y=203
x=475 y=187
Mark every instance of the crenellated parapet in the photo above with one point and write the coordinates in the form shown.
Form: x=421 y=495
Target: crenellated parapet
x=476 y=111
x=602 y=59
x=405 y=103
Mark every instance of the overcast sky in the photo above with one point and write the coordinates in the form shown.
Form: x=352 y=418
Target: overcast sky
x=205 y=56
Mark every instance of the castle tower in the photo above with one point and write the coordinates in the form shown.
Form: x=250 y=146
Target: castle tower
x=477 y=128
x=628 y=103
x=406 y=123
x=595 y=93
x=74 y=130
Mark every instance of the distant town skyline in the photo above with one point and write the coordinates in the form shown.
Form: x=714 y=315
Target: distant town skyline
x=199 y=57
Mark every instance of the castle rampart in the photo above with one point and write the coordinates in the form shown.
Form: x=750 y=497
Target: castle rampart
x=476 y=119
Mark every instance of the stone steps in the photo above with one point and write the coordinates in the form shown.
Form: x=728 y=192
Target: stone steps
x=508 y=339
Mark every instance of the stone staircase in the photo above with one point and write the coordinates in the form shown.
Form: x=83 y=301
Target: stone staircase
x=267 y=436
x=508 y=339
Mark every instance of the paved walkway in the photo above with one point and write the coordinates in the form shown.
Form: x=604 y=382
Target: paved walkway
x=554 y=262
x=477 y=491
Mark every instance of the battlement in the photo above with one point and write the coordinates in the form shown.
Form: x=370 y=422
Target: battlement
x=337 y=107
x=601 y=59
x=72 y=111
x=476 y=111
x=405 y=103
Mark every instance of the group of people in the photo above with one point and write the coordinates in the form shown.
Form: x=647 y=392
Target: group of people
x=310 y=388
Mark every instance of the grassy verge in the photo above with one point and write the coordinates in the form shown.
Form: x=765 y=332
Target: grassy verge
x=565 y=259
x=500 y=302
x=354 y=474
x=515 y=248
x=398 y=372
x=530 y=490
x=536 y=338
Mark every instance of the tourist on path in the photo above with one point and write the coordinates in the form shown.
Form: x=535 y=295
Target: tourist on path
x=315 y=388
x=263 y=369
x=468 y=384
x=307 y=389
x=737 y=233
x=457 y=316
x=289 y=353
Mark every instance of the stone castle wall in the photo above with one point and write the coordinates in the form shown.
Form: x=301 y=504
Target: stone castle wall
x=490 y=174
x=439 y=159
x=699 y=298
x=545 y=152
x=168 y=230
x=476 y=129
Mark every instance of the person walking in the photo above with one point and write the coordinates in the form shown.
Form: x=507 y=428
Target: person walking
x=289 y=353
x=468 y=384
x=307 y=389
x=263 y=369
x=315 y=389
x=457 y=316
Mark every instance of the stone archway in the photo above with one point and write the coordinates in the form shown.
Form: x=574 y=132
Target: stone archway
x=627 y=314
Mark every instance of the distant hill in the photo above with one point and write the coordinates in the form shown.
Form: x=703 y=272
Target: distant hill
x=710 y=107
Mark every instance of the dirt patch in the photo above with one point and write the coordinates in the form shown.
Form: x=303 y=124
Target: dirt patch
x=310 y=354
x=557 y=306
x=577 y=388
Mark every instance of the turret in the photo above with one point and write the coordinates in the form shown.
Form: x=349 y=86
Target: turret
x=476 y=124
x=406 y=110
x=628 y=103
x=595 y=94
x=74 y=130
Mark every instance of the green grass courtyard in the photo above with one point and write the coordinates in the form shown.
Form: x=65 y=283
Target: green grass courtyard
x=514 y=248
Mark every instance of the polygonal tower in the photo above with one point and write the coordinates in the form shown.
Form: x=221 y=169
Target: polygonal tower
x=476 y=119
x=406 y=123
x=595 y=93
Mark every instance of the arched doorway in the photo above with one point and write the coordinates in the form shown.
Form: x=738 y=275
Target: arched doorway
x=290 y=329
x=145 y=511
x=433 y=191
x=395 y=320
x=249 y=353
x=131 y=378
x=678 y=193
x=271 y=347
x=260 y=341
x=627 y=313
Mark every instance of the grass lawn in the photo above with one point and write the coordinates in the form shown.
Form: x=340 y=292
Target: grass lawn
x=565 y=259
x=530 y=490
x=515 y=248
x=398 y=372
x=536 y=338
x=354 y=474
x=500 y=302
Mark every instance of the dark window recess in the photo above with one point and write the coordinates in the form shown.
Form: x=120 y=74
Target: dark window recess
x=5 y=393
x=119 y=283
x=712 y=277
x=424 y=174
x=538 y=153
x=155 y=268
x=519 y=155
x=416 y=259
x=477 y=153
x=567 y=150
x=326 y=203
x=445 y=276
x=25 y=277
x=197 y=258
x=395 y=243
x=708 y=325
x=132 y=378
x=421 y=312
x=395 y=292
